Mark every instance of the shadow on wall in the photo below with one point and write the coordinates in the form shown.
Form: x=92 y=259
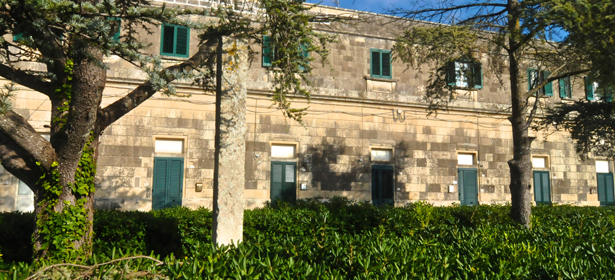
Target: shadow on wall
x=335 y=167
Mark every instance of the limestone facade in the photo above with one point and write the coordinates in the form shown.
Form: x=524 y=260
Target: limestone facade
x=350 y=115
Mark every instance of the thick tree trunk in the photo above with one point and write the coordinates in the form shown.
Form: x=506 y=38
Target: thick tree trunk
x=64 y=195
x=65 y=235
x=521 y=164
x=230 y=154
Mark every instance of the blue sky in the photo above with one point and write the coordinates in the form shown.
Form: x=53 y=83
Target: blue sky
x=376 y=6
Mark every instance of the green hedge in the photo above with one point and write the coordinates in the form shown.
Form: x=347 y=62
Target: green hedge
x=344 y=240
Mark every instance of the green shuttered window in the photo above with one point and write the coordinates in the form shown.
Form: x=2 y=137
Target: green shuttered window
x=593 y=91
x=283 y=181
x=464 y=74
x=605 y=189
x=542 y=187
x=175 y=40
x=536 y=77
x=116 y=25
x=269 y=54
x=565 y=88
x=468 y=186
x=380 y=64
x=168 y=182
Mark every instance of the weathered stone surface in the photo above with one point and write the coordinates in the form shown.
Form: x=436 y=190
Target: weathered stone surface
x=229 y=169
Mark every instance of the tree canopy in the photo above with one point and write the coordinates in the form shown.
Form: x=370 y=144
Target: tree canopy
x=589 y=27
x=547 y=38
x=58 y=49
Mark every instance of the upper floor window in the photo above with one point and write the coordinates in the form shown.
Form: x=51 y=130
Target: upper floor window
x=536 y=77
x=380 y=63
x=269 y=53
x=464 y=74
x=565 y=87
x=593 y=91
x=174 y=40
x=116 y=24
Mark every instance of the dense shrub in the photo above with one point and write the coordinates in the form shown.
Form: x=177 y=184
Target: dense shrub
x=340 y=239
x=16 y=236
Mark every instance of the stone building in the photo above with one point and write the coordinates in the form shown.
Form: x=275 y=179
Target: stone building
x=367 y=137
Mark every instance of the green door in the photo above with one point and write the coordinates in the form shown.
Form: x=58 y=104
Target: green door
x=283 y=181
x=168 y=182
x=382 y=185
x=605 y=188
x=468 y=186
x=542 y=187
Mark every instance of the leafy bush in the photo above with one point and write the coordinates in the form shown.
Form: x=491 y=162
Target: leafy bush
x=16 y=236
x=341 y=239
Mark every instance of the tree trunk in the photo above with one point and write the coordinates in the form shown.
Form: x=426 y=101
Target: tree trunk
x=230 y=153
x=65 y=213
x=521 y=164
x=64 y=194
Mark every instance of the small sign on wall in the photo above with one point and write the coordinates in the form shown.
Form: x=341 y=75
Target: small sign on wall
x=303 y=186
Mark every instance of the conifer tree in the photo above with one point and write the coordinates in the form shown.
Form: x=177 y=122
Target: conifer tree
x=59 y=49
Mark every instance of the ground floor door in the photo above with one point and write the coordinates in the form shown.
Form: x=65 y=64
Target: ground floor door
x=542 y=187
x=383 y=182
x=468 y=186
x=605 y=188
x=24 y=202
x=283 y=181
x=168 y=182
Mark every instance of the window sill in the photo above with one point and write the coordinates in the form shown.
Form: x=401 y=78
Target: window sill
x=466 y=88
x=380 y=84
x=172 y=57
x=370 y=78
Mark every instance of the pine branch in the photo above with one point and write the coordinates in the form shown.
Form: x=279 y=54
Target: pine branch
x=22 y=149
x=121 y=107
x=26 y=79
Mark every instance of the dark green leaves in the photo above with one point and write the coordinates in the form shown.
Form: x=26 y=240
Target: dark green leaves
x=344 y=240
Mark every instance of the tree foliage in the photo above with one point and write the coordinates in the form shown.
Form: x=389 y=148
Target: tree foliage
x=590 y=29
x=508 y=37
x=59 y=49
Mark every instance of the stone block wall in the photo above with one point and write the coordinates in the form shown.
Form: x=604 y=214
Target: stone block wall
x=349 y=114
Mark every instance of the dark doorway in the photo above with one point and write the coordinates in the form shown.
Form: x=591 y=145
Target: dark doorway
x=283 y=181
x=605 y=188
x=383 y=182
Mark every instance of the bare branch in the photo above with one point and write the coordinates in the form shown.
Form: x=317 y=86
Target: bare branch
x=483 y=16
x=552 y=78
x=433 y=12
x=92 y=267
x=119 y=108
x=26 y=79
